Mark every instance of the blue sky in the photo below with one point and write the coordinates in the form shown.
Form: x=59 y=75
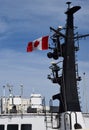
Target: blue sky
x=22 y=21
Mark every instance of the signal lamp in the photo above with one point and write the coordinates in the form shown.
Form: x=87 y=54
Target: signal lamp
x=50 y=55
x=53 y=55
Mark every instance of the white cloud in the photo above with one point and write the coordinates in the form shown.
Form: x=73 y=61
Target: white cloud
x=31 y=70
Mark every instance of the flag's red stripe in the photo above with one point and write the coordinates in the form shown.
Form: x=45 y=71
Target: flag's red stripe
x=29 y=47
x=45 y=42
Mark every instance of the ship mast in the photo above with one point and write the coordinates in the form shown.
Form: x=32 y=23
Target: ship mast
x=68 y=96
x=69 y=70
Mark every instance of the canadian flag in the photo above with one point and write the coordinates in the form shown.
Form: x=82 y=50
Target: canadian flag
x=38 y=44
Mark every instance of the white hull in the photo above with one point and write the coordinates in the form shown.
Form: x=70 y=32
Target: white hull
x=35 y=121
x=41 y=121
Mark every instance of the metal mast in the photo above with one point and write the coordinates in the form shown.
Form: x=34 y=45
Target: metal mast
x=69 y=70
x=68 y=96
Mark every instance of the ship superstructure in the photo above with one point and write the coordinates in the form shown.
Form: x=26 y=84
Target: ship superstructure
x=19 y=113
